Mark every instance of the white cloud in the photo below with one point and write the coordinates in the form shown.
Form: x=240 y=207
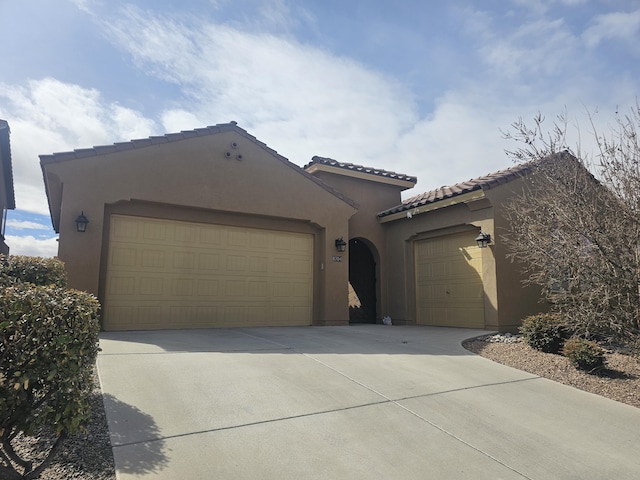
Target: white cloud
x=276 y=13
x=84 y=5
x=47 y=116
x=530 y=51
x=304 y=101
x=542 y=6
x=26 y=225
x=274 y=87
x=617 y=25
x=178 y=120
x=126 y=124
x=31 y=246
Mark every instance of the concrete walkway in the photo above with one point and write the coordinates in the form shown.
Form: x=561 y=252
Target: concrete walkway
x=360 y=402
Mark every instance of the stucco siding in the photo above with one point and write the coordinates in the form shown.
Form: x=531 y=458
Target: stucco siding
x=195 y=174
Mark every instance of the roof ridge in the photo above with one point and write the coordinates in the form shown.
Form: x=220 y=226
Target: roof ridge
x=317 y=160
x=184 y=135
x=143 y=142
x=483 y=182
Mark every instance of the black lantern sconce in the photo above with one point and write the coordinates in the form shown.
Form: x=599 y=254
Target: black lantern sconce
x=341 y=245
x=483 y=240
x=81 y=223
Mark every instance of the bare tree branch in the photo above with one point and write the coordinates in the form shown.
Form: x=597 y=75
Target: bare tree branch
x=577 y=231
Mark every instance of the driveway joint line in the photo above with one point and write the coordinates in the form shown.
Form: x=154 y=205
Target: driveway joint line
x=385 y=400
x=251 y=424
x=462 y=389
x=461 y=440
x=244 y=350
x=426 y=420
x=267 y=340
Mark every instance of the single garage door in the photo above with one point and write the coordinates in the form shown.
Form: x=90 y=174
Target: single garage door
x=449 y=290
x=172 y=274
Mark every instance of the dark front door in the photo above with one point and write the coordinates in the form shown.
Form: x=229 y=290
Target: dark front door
x=362 y=283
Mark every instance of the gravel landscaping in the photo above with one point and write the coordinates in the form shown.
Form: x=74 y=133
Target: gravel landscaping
x=85 y=456
x=620 y=381
x=88 y=456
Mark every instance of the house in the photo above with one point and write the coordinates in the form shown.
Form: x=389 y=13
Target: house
x=7 y=195
x=212 y=228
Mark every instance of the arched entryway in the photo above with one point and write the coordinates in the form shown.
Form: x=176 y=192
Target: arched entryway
x=362 y=282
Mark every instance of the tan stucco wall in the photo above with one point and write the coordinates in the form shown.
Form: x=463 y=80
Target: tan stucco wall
x=507 y=302
x=372 y=197
x=401 y=235
x=515 y=300
x=194 y=179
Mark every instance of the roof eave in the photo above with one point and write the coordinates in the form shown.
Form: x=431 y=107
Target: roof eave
x=388 y=180
x=411 y=211
x=103 y=150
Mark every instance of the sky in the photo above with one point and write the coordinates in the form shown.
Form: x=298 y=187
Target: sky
x=420 y=87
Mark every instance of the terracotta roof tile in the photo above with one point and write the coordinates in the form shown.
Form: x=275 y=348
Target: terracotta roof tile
x=122 y=146
x=360 y=168
x=105 y=149
x=484 y=182
x=186 y=134
x=142 y=142
x=183 y=135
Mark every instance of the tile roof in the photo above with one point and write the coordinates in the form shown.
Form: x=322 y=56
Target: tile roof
x=484 y=182
x=5 y=156
x=174 y=137
x=146 y=142
x=360 y=168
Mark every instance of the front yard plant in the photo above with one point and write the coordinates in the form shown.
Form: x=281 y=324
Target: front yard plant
x=544 y=332
x=584 y=354
x=48 y=347
x=575 y=226
x=35 y=270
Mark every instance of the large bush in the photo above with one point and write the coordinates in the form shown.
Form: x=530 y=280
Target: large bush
x=35 y=270
x=544 y=332
x=584 y=354
x=48 y=347
x=574 y=226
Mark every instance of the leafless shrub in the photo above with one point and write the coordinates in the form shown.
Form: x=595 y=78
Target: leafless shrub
x=575 y=227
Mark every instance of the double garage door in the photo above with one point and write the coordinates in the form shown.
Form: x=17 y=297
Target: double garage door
x=173 y=274
x=449 y=287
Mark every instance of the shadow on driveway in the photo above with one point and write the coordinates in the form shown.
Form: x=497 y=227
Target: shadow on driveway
x=361 y=339
x=143 y=457
x=348 y=402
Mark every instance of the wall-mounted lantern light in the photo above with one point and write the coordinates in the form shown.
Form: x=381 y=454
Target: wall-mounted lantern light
x=484 y=239
x=341 y=245
x=81 y=223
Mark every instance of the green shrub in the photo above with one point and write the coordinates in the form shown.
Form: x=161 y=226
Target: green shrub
x=584 y=354
x=36 y=270
x=544 y=332
x=48 y=347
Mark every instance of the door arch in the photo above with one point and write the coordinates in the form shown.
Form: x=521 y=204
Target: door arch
x=362 y=282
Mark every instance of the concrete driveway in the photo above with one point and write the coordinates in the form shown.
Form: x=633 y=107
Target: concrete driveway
x=358 y=402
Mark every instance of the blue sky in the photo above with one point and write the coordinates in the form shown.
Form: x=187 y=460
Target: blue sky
x=419 y=87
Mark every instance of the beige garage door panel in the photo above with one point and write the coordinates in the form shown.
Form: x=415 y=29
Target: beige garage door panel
x=449 y=289
x=171 y=274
